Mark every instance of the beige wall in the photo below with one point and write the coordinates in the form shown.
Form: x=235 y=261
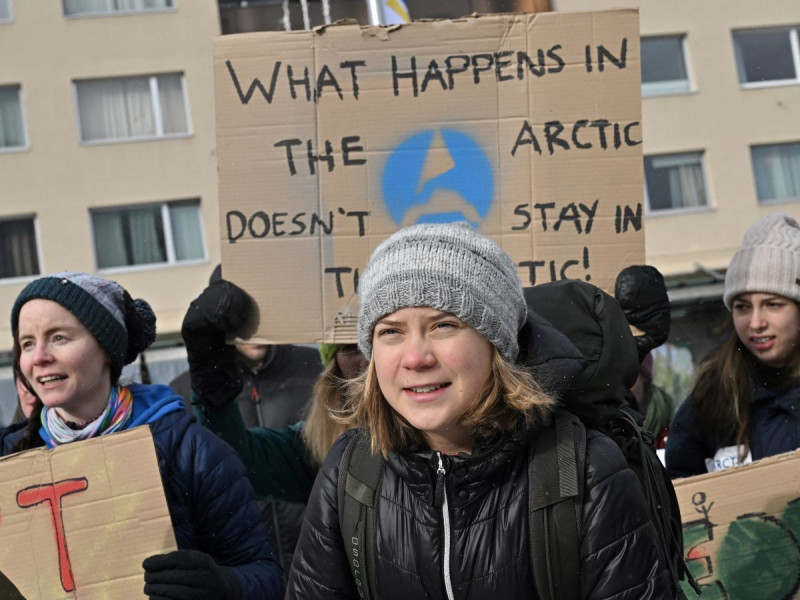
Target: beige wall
x=717 y=117
x=58 y=179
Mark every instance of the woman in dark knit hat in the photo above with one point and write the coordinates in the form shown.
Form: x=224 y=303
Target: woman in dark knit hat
x=73 y=333
x=745 y=403
x=446 y=404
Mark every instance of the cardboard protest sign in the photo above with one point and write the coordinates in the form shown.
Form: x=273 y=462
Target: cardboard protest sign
x=526 y=125
x=77 y=522
x=741 y=530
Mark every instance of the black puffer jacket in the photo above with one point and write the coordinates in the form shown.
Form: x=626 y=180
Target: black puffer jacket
x=488 y=502
x=773 y=427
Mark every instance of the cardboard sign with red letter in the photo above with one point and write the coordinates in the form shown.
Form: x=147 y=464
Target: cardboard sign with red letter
x=77 y=522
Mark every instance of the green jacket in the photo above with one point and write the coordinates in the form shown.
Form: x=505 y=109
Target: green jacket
x=277 y=461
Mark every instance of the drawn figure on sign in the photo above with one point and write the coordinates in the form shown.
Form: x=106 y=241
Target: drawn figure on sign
x=696 y=535
x=758 y=557
x=438 y=177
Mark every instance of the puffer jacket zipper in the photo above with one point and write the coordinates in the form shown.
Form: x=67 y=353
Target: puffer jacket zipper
x=440 y=483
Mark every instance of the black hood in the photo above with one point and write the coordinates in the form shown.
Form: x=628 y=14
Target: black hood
x=595 y=323
x=550 y=355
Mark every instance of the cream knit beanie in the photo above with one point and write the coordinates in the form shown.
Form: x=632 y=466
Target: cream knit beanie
x=768 y=260
x=451 y=268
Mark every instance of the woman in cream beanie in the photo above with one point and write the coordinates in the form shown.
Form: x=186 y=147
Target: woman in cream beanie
x=745 y=403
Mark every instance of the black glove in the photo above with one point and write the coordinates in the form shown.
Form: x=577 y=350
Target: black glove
x=222 y=308
x=188 y=575
x=641 y=292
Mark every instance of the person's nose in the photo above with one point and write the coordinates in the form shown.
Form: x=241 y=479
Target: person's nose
x=41 y=354
x=757 y=319
x=418 y=353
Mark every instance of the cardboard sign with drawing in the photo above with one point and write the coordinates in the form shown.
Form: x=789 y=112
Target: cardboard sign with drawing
x=77 y=521
x=741 y=529
x=527 y=126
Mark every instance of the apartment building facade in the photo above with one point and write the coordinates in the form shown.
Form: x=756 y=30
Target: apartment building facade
x=721 y=129
x=107 y=147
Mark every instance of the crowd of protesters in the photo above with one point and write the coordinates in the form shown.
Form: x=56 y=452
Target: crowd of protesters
x=251 y=440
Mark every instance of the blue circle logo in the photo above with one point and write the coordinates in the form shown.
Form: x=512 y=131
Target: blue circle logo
x=438 y=177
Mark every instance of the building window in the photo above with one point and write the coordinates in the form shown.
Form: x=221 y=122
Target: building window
x=166 y=233
x=12 y=128
x=675 y=181
x=102 y=7
x=126 y=108
x=777 y=171
x=19 y=256
x=664 y=65
x=5 y=10
x=767 y=56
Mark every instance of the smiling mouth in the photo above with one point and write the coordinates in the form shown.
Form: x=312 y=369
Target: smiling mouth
x=427 y=388
x=762 y=340
x=49 y=378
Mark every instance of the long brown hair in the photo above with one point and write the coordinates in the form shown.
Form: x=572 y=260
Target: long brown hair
x=320 y=430
x=723 y=390
x=510 y=401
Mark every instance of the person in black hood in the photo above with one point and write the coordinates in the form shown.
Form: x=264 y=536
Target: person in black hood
x=642 y=294
x=275 y=385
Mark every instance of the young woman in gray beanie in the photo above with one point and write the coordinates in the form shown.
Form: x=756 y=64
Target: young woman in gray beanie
x=445 y=403
x=745 y=403
x=73 y=333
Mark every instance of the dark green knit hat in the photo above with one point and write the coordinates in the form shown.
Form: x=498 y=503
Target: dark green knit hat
x=123 y=327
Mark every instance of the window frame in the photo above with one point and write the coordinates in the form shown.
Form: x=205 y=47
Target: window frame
x=670 y=87
x=794 y=41
x=771 y=201
x=10 y=18
x=116 y=13
x=650 y=212
x=155 y=105
x=37 y=244
x=169 y=239
x=26 y=145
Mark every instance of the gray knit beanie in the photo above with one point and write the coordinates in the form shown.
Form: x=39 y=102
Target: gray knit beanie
x=122 y=326
x=768 y=260
x=449 y=267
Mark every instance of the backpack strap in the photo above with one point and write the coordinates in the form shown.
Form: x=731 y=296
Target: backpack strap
x=359 y=479
x=556 y=462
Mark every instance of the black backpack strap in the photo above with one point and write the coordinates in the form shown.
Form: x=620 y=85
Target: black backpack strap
x=556 y=463
x=359 y=479
x=663 y=504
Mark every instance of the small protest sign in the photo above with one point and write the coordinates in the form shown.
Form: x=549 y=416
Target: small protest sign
x=77 y=522
x=741 y=530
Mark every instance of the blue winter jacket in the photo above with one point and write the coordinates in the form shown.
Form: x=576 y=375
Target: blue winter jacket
x=210 y=499
x=774 y=428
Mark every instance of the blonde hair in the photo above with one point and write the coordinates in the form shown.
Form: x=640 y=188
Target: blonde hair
x=320 y=430
x=511 y=400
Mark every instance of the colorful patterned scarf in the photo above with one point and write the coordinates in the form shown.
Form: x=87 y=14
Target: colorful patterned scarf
x=117 y=413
